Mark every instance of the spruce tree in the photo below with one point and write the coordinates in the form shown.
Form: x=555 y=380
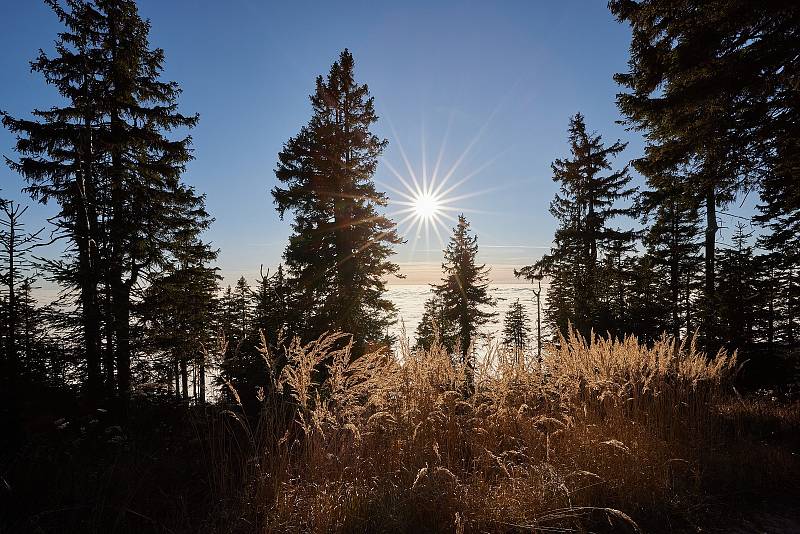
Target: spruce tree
x=271 y=305
x=672 y=241
x=32 y=333
x=225 y=319
x=737 y=295
x=464 y=294
x=712 y=87
x=148 y=203
x=434 y=326
x=60 y=158
x=789 y=283
x=647 y=310
x=338 y=254
x=106 y=158
x=779 y=213
x=243 y=302
x=516 y=330
x=15 y=247
x=264 y=311
x=768 y=286
x=585 y=205
x=262 y=301
x=616 y=278
x=178 y=308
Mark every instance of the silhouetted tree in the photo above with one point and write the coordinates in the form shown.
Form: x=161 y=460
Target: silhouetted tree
x=584 y=207
x=615 y=279
x=338 y=255
x=737 y=293
x=647 y=307
x=672 y=242
x=712 y=87
x=106 y=159
x=60 y=157
x=15 y=263
x=516 y=330
x=464 y=293
x=248 y=314
x=272 y=301
x=779 y=212
x=34 y=342
x=148 y=203
x=178 y=309
x=434 y=326
x=226 y=315
x=780 y=215
x=243 y=300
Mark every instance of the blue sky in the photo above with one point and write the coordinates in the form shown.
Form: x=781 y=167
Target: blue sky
x=505 y=77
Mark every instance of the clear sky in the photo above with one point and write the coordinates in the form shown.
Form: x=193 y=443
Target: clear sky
x=502 y=77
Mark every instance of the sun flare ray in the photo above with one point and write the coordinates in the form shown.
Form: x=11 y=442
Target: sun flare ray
x=426 y=197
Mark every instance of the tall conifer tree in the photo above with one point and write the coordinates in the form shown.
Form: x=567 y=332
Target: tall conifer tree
x=61 y=159
x=148 y=203
x=106 y=158
x=464 y=294
x=713 y=86
x=673 y=243
x=585 y=205
x=338 y=255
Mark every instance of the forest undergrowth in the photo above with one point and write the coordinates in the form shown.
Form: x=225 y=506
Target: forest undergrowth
x=601 y=435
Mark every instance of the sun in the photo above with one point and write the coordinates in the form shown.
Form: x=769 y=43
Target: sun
x=425 y=199
x=427 y=206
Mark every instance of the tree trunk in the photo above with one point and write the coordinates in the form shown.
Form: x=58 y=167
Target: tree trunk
x=90 y=312
x=91 y=326
x=710 y=265
x=591 y=306
x=674 y=276
x=790 y=310
x=184 y=378
x=688 y=302
x=121 y=303
x=539 y=324
x=87 y=238
x=108 y=353
x=770 y=272
x=119 y=223
x=13 y=360
x=202 y=378
x=28 y=325
x=176 y=375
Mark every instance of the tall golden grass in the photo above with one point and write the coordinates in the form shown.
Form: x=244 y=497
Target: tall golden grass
x=602 y=434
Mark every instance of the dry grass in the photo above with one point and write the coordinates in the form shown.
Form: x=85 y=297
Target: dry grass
x=603 y=437
x=607 y=435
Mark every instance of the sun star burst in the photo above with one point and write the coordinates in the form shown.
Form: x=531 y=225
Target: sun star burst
x=426 y=205
x=425 y=197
